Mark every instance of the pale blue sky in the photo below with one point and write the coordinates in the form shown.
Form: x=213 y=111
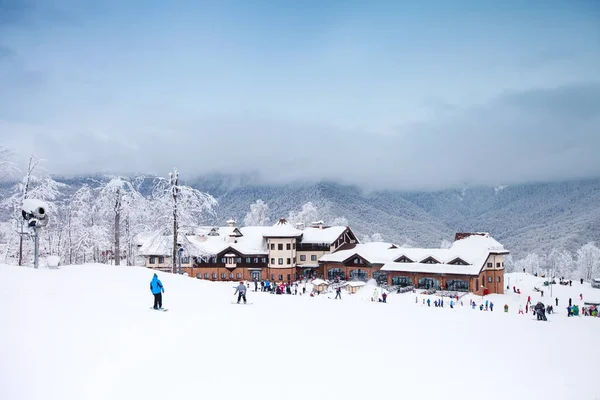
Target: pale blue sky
x=433 y=94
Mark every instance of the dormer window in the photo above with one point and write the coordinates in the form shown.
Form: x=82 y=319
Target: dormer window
x=404 y=259
x=430 y=260
x=458 y=261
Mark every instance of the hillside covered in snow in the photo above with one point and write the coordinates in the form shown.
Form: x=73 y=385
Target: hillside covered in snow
x=88 y=332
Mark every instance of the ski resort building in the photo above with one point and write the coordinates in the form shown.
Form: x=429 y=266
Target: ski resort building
x=281 y=252
x=474 y=263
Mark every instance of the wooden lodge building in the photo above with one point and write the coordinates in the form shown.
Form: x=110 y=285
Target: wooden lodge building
x=474 y=263
x=282 y=253
x=279 y=253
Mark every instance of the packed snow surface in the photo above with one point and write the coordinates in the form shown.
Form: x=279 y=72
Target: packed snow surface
x=87 y=332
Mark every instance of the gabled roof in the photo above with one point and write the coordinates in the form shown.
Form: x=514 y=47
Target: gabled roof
x=282 y=229
x=473 y=249
x=325 y=235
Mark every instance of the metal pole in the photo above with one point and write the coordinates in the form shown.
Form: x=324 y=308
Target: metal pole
x=35 y=248
x=179 y=260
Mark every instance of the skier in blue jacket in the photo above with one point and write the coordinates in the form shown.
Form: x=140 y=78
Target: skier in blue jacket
x=157 y=289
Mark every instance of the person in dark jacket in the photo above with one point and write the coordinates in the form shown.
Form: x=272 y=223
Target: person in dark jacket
x=338 y=292
x=157 y=289
x=241 y=289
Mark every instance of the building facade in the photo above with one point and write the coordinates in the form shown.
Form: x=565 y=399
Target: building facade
x=279 y=253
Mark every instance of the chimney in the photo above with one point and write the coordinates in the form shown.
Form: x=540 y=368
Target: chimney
x=231 y=223
x=318 y=224
x=300 y=225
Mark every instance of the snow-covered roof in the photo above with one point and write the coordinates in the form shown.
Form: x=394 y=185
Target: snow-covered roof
x=318 y=281
x=474 y=250
x=322 y=235
x=282 y=229
x=161 y=243
x=356 y=283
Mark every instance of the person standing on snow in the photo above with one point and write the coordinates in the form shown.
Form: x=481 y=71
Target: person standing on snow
x=338 y=292
x=157 y=289
x=241 y=289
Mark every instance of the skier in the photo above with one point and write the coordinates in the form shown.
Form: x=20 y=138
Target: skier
x=557 y=302
x=338 y=292
x=157 y=289
x=520 y=309
x=241 y=289
x=384 y=297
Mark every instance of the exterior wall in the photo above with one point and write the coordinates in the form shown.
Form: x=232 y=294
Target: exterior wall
x=308 y=255
x=240 y=273
x=166 y=263
x=495 y=273
x=276 y=254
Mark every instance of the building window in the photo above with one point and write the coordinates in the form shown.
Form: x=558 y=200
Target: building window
x=281 y=278
x=288 y=246
x=272 y=246
x=238 y=260
x=490 y=279
x=255 y=260
x=161 y=260
x=497 y=265
x=380 y=277
x=152 y=260
x=428 y=283
x=223 y=276
x=503 y=265
x=289 y=277
x=294 y=245
x=231 y=275
x=205 y=276
x=289 y=260
x=499 y=279
x=273 y=261
x=264 y=260
x=294 y=260
x=238 y=275
x=430 y=260
x=248 y=260
x=457 y=285
x=489 y=265
x=402 y=281
x=359 y=275
x=214 y=275
x=223 y=260
x=313 y=258
x=273 y=277
x=280 y=246
x=280 y=261
x=336 y=273
x=302 y=258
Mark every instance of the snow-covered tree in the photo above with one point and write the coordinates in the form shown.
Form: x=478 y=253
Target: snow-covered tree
x=340 y=221
x=258 y=214
x=376 y=237
x=446 y=244
x=531 y=263
x=561 y=263
x=306 y=216
x=177 y=205
x=117 y=197
x=588 y=261
x=35 y=184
